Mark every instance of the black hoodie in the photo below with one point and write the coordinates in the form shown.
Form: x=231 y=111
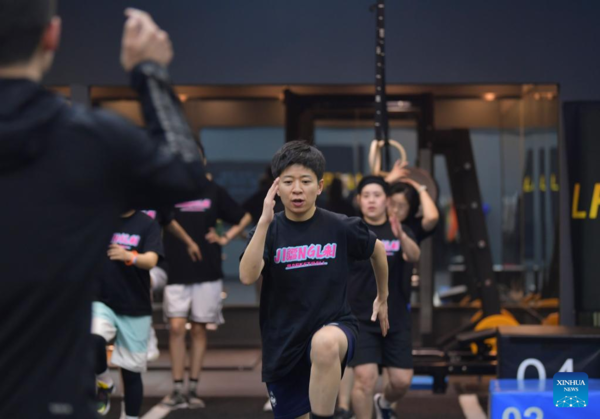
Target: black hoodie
x=66 y=174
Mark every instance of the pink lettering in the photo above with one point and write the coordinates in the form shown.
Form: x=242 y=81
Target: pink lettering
x=302 y=250
x=124 y=239
x=200 y=205
x=302 y=253
x=320 y=254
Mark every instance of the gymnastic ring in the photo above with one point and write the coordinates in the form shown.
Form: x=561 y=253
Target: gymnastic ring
x=375 y=155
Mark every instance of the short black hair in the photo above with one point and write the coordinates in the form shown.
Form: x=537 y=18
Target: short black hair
x=378 y=180
x=411 y=196
x=22 y=23
x=298 y=152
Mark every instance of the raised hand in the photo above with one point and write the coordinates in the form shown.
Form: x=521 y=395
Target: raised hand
x=396 y=226
x=143 y=40
x=269 y=204
x=398 y=172
x=411 y=182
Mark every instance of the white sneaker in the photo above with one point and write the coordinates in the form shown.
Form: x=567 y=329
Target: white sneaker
x=195 y=402
x=267 y=407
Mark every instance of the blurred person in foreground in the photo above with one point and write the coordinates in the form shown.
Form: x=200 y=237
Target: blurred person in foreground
x=68 y=173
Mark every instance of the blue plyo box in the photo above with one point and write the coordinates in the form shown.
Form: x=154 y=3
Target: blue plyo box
x=534 y=399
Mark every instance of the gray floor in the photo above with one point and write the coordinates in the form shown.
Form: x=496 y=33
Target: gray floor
x=226 y=373
x=231 y=386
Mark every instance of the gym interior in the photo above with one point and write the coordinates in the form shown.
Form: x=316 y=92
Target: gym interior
x=495 y=105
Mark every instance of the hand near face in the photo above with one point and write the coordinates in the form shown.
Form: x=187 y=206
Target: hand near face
x=396 y=226
x=269 y=203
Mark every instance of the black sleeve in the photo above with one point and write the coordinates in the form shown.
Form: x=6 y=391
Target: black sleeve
x=166 y=216
x=409 y=232
x=360 y=240
x=419 y=232
x=164 y=167
x=152 y=240
x=227 y=209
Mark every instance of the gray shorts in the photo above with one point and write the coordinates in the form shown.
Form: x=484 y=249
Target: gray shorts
x=203 y=300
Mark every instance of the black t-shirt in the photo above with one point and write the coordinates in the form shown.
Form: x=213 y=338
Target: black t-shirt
x=126 y=289
x=305 y=283
x=196 y=218
x=163 y=217
x=416 y=225
x=420 y=234
x=362 y=287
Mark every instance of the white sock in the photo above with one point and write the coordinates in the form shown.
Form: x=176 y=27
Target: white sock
x=105 y=378
x=383 y=403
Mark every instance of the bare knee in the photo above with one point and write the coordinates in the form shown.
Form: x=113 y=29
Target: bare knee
x=177 y=328
x=325 y=349
x=365 y=379
x=400 y=383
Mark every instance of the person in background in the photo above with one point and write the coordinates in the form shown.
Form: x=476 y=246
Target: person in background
x=336 y=201
x=159 y=275
x=122 y=309
x=406 y=197
x=392 y=353
x=195 y=286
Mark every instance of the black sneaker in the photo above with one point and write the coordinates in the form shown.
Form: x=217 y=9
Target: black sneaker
x=343 y=414
x=103 y=392
x=175 y=400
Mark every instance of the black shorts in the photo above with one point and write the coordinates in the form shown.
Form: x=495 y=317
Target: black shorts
x=289 y=395
x=394 y=350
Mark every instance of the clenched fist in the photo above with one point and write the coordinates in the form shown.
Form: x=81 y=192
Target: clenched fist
x=143 y=40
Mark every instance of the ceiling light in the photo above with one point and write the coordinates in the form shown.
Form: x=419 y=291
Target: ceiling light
x=489 y=96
